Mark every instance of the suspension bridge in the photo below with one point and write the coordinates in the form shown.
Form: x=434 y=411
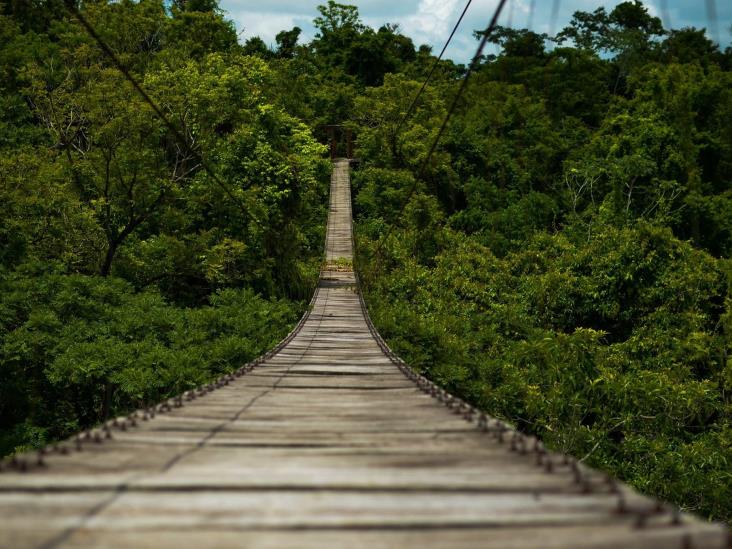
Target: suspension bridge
x=327 y=440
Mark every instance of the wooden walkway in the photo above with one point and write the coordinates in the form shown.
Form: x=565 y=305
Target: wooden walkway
x=325 y=443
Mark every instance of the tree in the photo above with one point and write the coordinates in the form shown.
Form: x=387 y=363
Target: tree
x=517 y=43
x=690 y=45
x=199 y=29
x=196 y=5
x=34 y=15
x=336 y=19
x=286 y=42
x=256 y=46
x=108 y=137
x=628 y=26
x=629 y=33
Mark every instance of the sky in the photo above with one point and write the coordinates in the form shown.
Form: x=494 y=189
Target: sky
x=430 y=21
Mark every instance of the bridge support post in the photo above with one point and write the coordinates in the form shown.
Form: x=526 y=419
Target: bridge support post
x=349 y=143
x=333 y=142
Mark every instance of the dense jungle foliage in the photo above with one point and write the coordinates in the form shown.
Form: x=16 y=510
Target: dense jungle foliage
x=564 y=262
x=127 y=274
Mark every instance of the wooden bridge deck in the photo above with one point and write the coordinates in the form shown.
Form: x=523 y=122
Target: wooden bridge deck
x=325 y=443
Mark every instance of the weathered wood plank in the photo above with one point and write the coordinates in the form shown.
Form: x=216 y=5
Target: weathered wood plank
x=326 y=443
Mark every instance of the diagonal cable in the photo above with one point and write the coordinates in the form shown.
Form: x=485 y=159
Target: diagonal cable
x=532 y=9
x=665 y=15
x=463 y=84
x=432 y=70
x=71 y=6
x=712 y=19
x=554 y=17
x=509 y=19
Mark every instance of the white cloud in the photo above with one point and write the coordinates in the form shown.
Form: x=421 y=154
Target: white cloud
x=430 y=21
x=266 y=24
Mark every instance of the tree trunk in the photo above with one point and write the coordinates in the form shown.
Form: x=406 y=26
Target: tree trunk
x=109 y=258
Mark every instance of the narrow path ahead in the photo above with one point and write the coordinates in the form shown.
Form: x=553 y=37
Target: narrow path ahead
x=326 y=443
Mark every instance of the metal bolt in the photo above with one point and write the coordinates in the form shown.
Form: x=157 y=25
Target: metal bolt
x=622 y=505
x=675 y=516
x=523 y=446
x=578 y=477
x=540 y=452
x=21 y=464
x=549 y=465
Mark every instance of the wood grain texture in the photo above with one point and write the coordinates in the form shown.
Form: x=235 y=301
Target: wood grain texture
x=324 y=444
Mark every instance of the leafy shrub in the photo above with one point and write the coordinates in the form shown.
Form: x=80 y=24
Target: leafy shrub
x=608 y=348
x=78 y=349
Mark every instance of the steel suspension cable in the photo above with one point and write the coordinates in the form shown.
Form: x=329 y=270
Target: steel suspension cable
x=463 y=84
x=432 y=70
x=76 y=12
x=532 y=9
x=509 y=19
x=665 y=15
x=554 y=17
x=712 y=19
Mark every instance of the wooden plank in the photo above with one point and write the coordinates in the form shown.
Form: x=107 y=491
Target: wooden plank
x=547 y=537
x=326 y=443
